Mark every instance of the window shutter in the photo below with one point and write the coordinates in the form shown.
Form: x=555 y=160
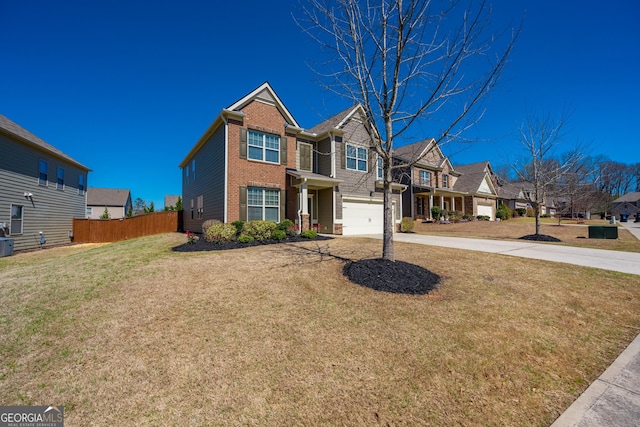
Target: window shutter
x=283 y=150
x=243 y=143
x=305 y=157
x=283 y=205
x=243 y=203
x=373 y=162
x=343 y=156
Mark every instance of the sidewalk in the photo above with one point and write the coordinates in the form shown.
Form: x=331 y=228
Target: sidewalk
x=612 y=400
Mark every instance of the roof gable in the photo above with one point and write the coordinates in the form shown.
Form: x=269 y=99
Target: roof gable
x=629 y=197
x=421 y=150
x=264 y=93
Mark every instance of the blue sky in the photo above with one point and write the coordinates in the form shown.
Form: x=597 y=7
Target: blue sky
x=127 y=87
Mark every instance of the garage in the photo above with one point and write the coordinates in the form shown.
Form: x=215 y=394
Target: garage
x=362 y=217
x=486 y=211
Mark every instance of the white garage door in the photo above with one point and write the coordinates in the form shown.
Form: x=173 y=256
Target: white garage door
x=361 y=218
x=485 y=210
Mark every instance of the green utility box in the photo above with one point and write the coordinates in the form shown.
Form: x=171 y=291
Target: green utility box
x=603 y=232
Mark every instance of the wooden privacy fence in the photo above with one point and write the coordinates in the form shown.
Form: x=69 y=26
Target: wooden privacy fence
x=114 y=230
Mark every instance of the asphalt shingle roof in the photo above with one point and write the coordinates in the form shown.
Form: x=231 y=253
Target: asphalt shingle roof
x=107 y=196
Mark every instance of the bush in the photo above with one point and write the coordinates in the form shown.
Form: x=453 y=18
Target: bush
x=521 y=211
x=243 y=238
x=208 y=223
x=259 y=230
x=407 y=224
x=545 y=216
x=278 y=235
x=531 y=212
x=436 y=213
x=309 y=234
x=287 y=226
x=467 y=217
x=483 y=218
x=503 y=212
x=239 y=225
x=220 y=233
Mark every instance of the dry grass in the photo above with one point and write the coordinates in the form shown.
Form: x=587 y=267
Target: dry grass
x=570 y=232
x=133 y=334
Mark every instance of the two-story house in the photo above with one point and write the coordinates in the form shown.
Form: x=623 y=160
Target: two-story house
x=41 y=189
x=256 y=162
x=433 y=181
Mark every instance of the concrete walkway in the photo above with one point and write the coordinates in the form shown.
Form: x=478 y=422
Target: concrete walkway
x=613 y=400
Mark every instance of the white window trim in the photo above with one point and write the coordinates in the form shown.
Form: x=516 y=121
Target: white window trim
x=11 y=231
x=263 y=206
x=445 y=181
x=423 y=181
x=263 y=147
x=356 y=158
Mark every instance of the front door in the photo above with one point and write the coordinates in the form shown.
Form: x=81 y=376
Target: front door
x=313 y=215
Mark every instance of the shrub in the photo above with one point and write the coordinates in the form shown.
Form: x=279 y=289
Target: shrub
x=483 y=218
x=243 y=238
x=287 y=226
x=259 y=230
x=208 y=223
x=279 y=234
x=521 y=211
x=531 y=212
x=239 y=225
x=220 y=233
x=545 y=216
x=503 y=212
x=407 y=224
x=309 y=234
x=467 y=217
x=436 y=212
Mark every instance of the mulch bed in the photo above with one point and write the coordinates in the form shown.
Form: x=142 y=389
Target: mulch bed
x=540 y=238
x=388 y=276
x=381 y=275
x=202 y=245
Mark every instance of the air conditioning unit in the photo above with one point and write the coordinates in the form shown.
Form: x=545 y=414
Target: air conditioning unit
x=6 y=247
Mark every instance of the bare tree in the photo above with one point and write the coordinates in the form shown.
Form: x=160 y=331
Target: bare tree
x=543 y=169
x=405 y=62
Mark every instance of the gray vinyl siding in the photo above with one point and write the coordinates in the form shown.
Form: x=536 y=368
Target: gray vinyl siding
x=325 y=211
x=209 y=182
x=52 y=210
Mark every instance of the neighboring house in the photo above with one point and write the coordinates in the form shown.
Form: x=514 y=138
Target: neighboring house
x=478 y=183
x=170 y=201
x=431 y=180
x=627 y=204
x=256 y=162
x=515 y=195
x=41 y=189
x=117 y=202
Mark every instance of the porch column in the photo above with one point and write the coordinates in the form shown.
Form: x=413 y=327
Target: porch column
x=304 y=210
x=441 y=202
x=430 y=206
x=453 y=203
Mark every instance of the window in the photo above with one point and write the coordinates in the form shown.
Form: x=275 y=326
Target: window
x=43 y=176
x=200 y=207
x=263 y=204
x=16 y=219
x=445 y=181
x=379 y=169
x=81 y=184
x=60 y=178
x=263 y=147
x=425 y=179
x=356 y=158
x=89 y=211
x=193 y=169
x=186 y=174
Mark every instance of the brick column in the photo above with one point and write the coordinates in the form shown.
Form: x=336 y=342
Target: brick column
x=305 y=222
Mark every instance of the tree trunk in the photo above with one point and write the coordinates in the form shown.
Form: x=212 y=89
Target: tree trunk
x=388 y=252
x=537 y=211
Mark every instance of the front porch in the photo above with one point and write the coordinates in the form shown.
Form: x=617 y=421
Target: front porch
x=310 y=201
x=446 y=200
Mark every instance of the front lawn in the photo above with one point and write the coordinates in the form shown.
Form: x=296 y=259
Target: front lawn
x=133 y=333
